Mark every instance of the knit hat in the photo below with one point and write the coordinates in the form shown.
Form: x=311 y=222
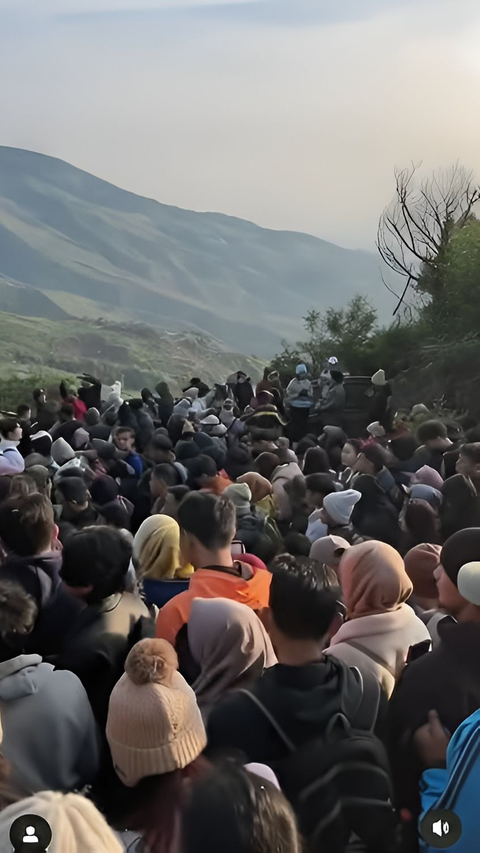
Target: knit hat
x=186 y=450
x=62 y=452
x=154 y=725
x=376 y=430
x=339 y=505
x=80 y=438
x=379 y=378
x=461 y=561
x=241 y=496
x=420 y=564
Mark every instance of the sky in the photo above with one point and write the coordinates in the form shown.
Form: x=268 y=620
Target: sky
x=290 y=113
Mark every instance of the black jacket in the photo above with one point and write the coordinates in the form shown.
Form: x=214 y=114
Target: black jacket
x=98 y=643
x=446 y=680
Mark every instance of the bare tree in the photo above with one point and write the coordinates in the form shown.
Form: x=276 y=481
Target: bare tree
x=415 y=230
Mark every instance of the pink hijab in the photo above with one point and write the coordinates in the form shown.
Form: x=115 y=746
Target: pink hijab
x=373 y=579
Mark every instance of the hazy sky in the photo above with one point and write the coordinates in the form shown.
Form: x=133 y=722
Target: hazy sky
x=291 y=113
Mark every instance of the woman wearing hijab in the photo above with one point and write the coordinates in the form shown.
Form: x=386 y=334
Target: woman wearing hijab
x=420 y=565
x=156 y=550
x=374 y=516
x=165 y=403
x=380 y=627
x=229 y=648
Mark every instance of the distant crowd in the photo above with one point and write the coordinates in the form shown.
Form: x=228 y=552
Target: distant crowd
x=228 y=624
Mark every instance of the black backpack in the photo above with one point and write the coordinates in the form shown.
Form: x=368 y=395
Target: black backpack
x=339 y=783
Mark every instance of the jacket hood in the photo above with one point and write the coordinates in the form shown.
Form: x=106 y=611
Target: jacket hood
x=23 y=676
x=252 y=588
x=39 y=575
x=287 y=472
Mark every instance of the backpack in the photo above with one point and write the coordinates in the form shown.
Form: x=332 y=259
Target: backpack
x=461 y=784
x=339 y=783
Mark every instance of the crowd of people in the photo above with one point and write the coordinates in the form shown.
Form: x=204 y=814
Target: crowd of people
x=227 y=624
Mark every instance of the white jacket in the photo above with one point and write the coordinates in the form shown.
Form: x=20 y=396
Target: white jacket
x=11 y=461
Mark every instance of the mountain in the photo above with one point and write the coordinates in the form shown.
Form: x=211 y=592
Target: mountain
x=93 y=249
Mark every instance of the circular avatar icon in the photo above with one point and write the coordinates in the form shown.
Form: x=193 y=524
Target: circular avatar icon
x=30 y=833
x=441 y=828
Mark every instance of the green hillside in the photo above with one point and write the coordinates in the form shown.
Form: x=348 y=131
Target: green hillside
x=41 y=351
x=99 y=251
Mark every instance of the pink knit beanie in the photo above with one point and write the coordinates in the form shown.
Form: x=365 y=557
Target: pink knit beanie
x=154 y=724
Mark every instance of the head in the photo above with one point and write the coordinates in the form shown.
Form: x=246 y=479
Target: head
x=301 y=371
x=115 y=515
x=427 y=476
x=66 y=413
x=337 y=376
x=95 y=563
x=434 y=435
x=201 y=472
x=258 y=543
x=156 y=548
x=72 y=495
x=421 y=562
x=469 y=461
x=92 y=417
x=41 y=442
x=338 y=507
x=76 y=825
x=10 y=430
x=297 y=544
x=350 y=452
x=373 y=579
x=403 y=447
x=154 y=725
x=316 y=461
x=18 y=614
x=422 y=521
x=24 y=412
x=458 y=586
x=304 y=611
x=265 y=464
x=318 y=486
x=460 y=508
x=241 y=497
x=233 y=809
x=371 y=460
x=39 y=396
x=207 y=525
x=103 y=490
x=173 y=499
x=22 y=484
x=124 y=439
x=216 y=452
x=260 y=487
x=238 y=461
x=27 y=525
x=40 y=477
x=329 y=550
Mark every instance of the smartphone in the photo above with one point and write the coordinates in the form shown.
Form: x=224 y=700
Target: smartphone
x=238 y=548
x=419 y=650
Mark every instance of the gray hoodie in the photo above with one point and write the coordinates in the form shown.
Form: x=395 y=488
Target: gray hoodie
x=49 y=732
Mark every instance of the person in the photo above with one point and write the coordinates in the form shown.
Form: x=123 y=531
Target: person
x=421 y=562
x=421 y=522
x=261 y=490
x=434 y=442
x=332 y=407
x=11 y=460
x=44 y=712
x=318 y=486
x=70 y=397
x=337 y=511
x=203 y=475
x=165 y=403
x=316 y=461
x=447 y=679
x=173 y=499
x=124 y=440
x=427 y=476
x=290 y=707
x=372 y=460
x=282 y=476
x=243 y=391
x=374 y=516
x=238 y=461
x=77 y=511
x=207 y=526
x=21 y=485
x=156 y=550
x=469 y=463
x=156 y=736
x=380 y=627
x=24 y=412
x=329 y=551
x=381 y=407
x=460 y=506
x=39 y=475
x=350 y=452
x=298 y=402
x=76 y=825
x=66 y=424
x=229 y=648
x=90 y=391
x=94 y=569
x=233 y=808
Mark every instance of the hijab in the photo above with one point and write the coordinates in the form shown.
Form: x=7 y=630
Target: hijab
x=260 y=487
x=420 y=564
x=229 y=644
x=373 y=579
x=329 y=550
x=156 y=550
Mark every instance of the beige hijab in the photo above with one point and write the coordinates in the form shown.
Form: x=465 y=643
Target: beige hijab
x=229 y=644
x=373 y=579
x=260 y=487
x=156 y=550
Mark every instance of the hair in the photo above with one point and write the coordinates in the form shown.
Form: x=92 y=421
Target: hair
x=302 y=606
x=97 y=557
x=120 y=429
x=233 y=809
x=179 y=492
x=403 y=447
x=167 y=472
x=18 y=610
x=8 y=425
x=26 y=524
x=430 y=430
x=376 y=455
x=42 y=445
x=115 y=515
x=337 y=376
x=355 y=443
x=305 y=444
x=22 y=485
x=422 y=523
x=22 y=410
x=472 y=452
x=66 y=411
x=473 y=434
x=316 y=461
x=460 y=508
x=39 y=475
x=321 y=484
x=210 y=519
x=104 y=490
x=265 y=464
x=297 y=544
x=201 y=466
x=238 y=461
x=73 y=488
x=257 y=543
x=215 y=452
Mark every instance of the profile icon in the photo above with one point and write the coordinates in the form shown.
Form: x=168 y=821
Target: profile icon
x=30 y=833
